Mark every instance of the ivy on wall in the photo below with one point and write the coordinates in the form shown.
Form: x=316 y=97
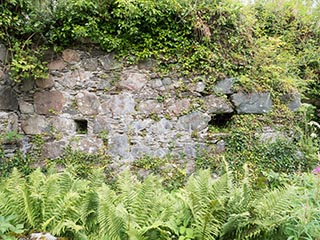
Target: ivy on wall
x=267 y=45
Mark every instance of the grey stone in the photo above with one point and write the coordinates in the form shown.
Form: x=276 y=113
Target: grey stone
x=58 y=64
x=88 y=103
x=200 y=87
x=102 y=123
x=88 y=144
x=121 y=104
x=63 y=124
x=90 y=64
x=224 y=86
x=45 y=83
x=217 y=105
x=36 y=124
x=189 y=150
x=70 y=56
x=157 y=84
x=119 y=145
x=8 y=99
x=8 y=122
x=141 y=150
x=104 y=84
x=53 y=150
x=27 y=85
x=147 y=64
x=269 y=135
x=109 y=62
x=132 y=80
x=292 y=100
x=161 y=127
x=150 y=106
x=26 y=107
x=48 y=102
x=258 y=103
x=195 y=121
x=3 y=53
x=140 y=125
x=179 y=106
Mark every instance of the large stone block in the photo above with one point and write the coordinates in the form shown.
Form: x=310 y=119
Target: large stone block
x=88 y=103
x=132 y=80
x=109 y=62
x=119 y=145
x=63 y=124
x=257 y=103
x=150 y=106
x=48 y=102
x=70 y=56
x=58 y=64
x=25 y=107
x=52 y=150
x=122 y=104
x=179 y=106
x=8 y=99
x=35 y=125
x=45 y=83
x=292 y=100
x=87 y=144
x=195 y=121
x=224 y=86
x=217 y=105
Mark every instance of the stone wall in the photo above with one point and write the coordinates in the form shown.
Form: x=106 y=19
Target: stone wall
x=94 y=103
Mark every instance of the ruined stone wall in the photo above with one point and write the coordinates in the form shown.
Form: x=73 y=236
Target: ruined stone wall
x=94 y=103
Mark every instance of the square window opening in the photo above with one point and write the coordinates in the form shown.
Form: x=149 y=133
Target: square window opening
x=81 y=126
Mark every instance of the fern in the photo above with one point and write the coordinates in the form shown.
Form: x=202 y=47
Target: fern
x=206 y=197
x=46 y=203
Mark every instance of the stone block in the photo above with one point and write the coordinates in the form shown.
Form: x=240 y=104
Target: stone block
x=36 y=124
x=118 y=145
x=122 y=104
x=8 y=99
x=132 y=80
x=224 y=86
x=25 y=107
x=45 y=83
x=108 y=62
x=88 y=144
x=195 y=121
x=63 y=124
x=53 y=150
x=150 y=106
x=257 y=103
x=48 y=102
x=90 y=64
x=217 y=105
x=70 y=56
x=87 y=103
x=292 y=100
x=179 y=106
x=58 y=65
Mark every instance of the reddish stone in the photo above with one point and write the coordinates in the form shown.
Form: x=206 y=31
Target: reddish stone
x=48 y=103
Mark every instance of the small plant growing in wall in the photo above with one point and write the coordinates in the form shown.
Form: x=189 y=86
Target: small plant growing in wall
x=10 y=137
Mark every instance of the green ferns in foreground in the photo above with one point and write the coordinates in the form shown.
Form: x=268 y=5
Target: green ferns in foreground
x=206 y=208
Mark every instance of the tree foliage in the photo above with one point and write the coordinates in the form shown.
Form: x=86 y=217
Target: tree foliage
x=268 y=44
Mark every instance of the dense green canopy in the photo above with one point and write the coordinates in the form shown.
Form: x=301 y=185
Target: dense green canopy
x=268 y=44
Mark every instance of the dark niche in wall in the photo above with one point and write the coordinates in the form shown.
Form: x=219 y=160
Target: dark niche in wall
x=220 y=120
x=81 y=126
